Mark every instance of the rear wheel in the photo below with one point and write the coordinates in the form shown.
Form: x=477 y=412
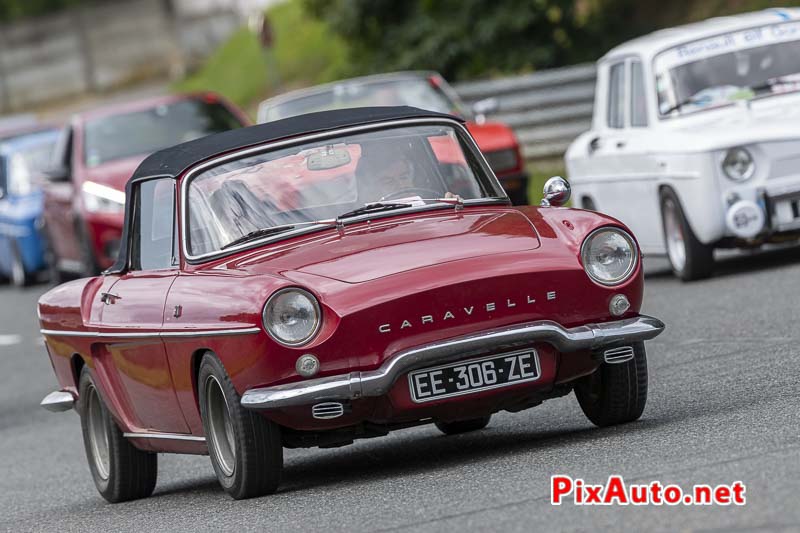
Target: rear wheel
x=615 y=393
x=245 y=448
x=463 y=426
x=121 y=472
x=690 y=258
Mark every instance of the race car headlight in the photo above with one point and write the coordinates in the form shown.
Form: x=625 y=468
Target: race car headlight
x=101 y=199
x=292 y=316
x=738 y=164
x=609 y=256
x=502 y=160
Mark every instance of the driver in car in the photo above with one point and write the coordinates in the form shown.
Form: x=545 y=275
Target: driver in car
x=387 y=176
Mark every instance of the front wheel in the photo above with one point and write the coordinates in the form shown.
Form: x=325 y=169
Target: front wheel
x=121 y=472
x=245 y=448
x=615 y=393
x=690 y=259
x=463 y=426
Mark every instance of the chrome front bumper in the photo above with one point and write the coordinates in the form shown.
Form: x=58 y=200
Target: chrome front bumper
x=378 y=382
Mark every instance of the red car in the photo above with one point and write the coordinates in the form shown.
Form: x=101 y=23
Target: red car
x=425 y=90
x=391 y=289
x=96 y=155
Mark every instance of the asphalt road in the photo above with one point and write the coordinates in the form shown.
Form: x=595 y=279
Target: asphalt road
x=724 y=405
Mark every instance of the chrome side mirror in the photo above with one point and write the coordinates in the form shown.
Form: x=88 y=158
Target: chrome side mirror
x=556 y=192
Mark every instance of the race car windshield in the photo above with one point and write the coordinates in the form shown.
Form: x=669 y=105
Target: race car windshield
x=416 y=92
x=313 y=183
x=142 y=132
x=716 y=72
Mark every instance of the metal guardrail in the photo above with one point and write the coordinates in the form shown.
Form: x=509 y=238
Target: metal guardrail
x=547 y=109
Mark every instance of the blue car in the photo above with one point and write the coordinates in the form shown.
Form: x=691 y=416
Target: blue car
x=22 y=158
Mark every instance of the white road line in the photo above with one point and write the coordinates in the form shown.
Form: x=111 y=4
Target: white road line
x=10 y=340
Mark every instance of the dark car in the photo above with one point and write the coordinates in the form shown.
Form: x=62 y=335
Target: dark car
x=421 y=89
x=97 y=153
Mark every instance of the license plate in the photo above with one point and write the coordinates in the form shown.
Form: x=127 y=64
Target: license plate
x=475 y=375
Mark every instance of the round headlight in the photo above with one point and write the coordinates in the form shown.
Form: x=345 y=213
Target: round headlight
x=609 y=256
x=292 y=316
x=738 y=164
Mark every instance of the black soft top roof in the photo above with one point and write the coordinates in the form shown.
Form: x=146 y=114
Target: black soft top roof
x=174 y=161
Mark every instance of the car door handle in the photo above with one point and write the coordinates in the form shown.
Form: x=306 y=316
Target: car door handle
x=109 y=298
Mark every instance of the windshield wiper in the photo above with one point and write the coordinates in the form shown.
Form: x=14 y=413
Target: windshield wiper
x=687 y=101
x=373 y=207
x=273 y=230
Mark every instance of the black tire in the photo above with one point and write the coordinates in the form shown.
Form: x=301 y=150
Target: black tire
x=19 y=276
x=588 y=203
x=128 y=473
x=615 y=393
x=463 y=426
x=690 y=259
x=255 y=466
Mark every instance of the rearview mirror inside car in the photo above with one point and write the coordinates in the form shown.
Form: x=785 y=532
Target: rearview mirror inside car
x=328 y=158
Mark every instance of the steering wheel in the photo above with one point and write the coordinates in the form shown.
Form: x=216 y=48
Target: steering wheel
x=412 y=191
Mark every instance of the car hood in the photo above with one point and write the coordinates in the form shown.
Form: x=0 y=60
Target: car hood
x=115 y=173
x=492 y=136
x=381 y=248
x=770 y=119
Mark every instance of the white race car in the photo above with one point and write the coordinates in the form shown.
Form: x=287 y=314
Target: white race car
x=695 y=141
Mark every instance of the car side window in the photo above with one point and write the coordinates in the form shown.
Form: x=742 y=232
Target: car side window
x=616 y=96
x=153 y=235
x=638 y=96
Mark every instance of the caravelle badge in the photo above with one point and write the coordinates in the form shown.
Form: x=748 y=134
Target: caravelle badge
x=463 y=312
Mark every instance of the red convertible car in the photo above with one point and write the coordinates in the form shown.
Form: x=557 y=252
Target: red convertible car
x=391 y=288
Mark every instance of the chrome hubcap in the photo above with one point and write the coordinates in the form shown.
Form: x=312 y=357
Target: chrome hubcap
x=676 y=244
x=220 y=427
x=98 y=434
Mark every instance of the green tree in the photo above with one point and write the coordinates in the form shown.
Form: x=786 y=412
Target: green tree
x=470 y=38
x=460 y=38
x=11 y=10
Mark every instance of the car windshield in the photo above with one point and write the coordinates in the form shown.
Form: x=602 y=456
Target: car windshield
x=142 y=132
x=714 y=72
x=423 y=93
x=420 y=166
